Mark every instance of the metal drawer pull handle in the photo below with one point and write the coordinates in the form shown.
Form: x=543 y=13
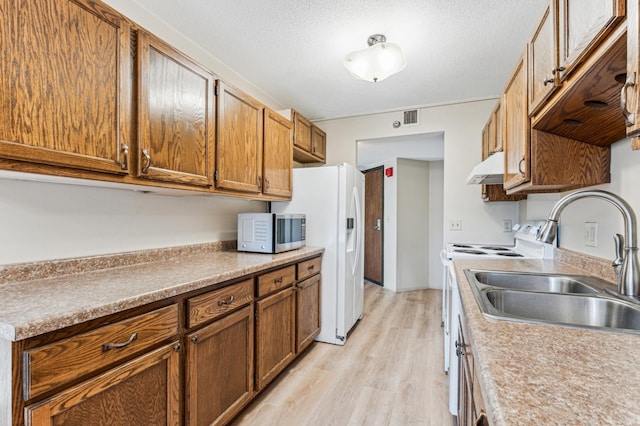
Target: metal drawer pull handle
x=629 y=117
x=108 y=346
x=278 y=280
x=147 y=162
x=228 y=301
x=310 y=268
x=125 y=157
x=520 y=169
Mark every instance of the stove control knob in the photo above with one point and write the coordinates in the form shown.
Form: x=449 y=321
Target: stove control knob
x=516 y=227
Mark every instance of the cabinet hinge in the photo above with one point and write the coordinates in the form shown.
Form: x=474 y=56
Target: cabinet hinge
x=255 y=314
x=215 y=175
x=255 y=379
x=217 y=90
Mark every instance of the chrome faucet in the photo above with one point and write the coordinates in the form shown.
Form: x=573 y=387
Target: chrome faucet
x=626 y=262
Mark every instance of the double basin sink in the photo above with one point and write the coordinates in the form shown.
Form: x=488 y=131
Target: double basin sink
x=565 y=300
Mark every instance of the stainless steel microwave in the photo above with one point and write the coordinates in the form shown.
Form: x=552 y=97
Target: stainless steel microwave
x=271 y=232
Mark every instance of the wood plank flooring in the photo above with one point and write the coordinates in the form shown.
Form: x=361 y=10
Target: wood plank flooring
x=390 y=372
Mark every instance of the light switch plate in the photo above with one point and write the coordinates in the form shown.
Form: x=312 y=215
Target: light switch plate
x=591 y=234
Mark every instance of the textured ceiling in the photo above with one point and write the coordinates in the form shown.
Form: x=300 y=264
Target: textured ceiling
x=456 y=50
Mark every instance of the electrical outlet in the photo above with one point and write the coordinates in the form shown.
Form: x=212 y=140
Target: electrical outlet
x=506 y=225
x=455 y=225
x=591 y=234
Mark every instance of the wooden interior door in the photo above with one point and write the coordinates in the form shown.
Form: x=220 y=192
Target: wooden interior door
x=373 y=218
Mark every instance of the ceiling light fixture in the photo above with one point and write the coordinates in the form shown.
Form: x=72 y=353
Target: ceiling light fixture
x=377 y=62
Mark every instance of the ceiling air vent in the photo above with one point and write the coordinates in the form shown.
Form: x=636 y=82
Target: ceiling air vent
x=410 y=117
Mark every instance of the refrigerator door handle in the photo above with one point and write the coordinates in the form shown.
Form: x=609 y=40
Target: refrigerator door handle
x=357 y=229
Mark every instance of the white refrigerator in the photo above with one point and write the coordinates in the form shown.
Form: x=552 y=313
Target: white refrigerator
x=332 y=197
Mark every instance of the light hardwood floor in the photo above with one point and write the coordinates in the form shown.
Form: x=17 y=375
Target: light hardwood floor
x=390 y=372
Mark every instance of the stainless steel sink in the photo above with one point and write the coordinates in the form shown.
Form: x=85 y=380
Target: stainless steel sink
x=567 y=309
x=538 y=282
x=565 y=300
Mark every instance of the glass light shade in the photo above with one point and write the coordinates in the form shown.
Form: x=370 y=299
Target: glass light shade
x=376 y=63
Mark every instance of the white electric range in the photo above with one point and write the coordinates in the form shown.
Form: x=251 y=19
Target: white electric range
x=525 y=247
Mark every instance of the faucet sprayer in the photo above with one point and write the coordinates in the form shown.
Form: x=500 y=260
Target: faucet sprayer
x=626 y=262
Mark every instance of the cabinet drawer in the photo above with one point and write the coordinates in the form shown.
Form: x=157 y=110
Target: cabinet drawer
x=309 y=267
x=216 y=303
x=57 y=363
x=268 y=283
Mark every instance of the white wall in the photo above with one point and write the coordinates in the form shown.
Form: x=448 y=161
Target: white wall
x=462 y=126
x=436 y=219
x=52 y=221
x=625 y=170
x=42 y=221
x=413 y=224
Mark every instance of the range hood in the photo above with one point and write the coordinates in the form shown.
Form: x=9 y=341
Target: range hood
x=489 y=172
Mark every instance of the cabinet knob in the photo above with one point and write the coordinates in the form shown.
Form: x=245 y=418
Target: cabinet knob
x=194 y=339
x=177 y=347
x=482 y=419
x=549 y=81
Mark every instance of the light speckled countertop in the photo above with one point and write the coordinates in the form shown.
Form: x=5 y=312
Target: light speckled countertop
x=33 y=307
x=545 y=375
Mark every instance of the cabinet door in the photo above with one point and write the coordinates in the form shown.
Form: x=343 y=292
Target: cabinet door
x=517 y=129
x=302 y=132
x=142 y=392
x=584 y=24
x=278 y=154
x=497 y=129
x=275 y=335
x=65 y=74
x=543 y=59
x=239 y=142
x=631 y=91
x=318 y=143
x=307 y=312
x=176 y=115
x=220 y=369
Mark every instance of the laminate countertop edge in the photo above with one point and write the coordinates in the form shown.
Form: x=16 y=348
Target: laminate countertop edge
x=31 y=308
x=535 y=374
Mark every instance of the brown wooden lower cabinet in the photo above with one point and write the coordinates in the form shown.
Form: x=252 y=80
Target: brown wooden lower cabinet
x=307 y=311
x=220 y=369
x=123 y=371
x=275 y=335
x=471 y=407
x=141 y=392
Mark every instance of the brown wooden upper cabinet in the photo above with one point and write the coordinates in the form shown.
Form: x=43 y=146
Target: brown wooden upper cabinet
x=278 y=155
x=568 y=31
x=176 y=115
x=65 y=75
x=631 y=92
x=309 y=141
x=543 y=77
x=517 y=146
x=240 y=138
x=582 y=25
x=492 y=140
x=318 y=142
